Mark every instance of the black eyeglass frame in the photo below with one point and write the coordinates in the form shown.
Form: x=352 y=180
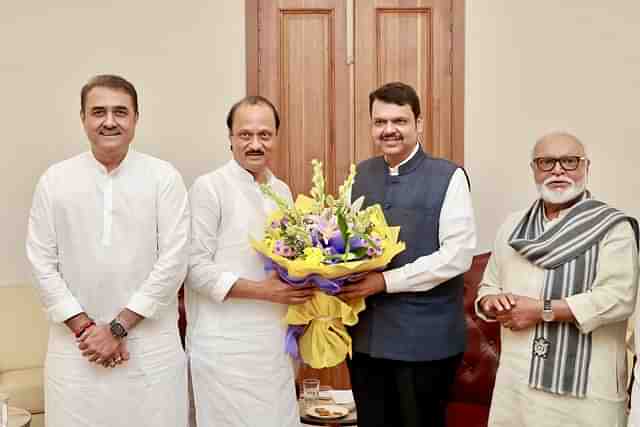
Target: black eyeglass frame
x=537 y=162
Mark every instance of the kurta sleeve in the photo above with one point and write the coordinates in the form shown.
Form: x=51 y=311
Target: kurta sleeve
x=42 y=252
x=457 y=237
x=490 y=284
x=169 y=270
x=205 y=276
x=613 y=295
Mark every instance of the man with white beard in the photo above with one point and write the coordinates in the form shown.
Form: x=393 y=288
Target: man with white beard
x=562 y=282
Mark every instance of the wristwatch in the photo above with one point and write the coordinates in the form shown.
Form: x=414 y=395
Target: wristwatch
x=547 y=311
x=117 y=330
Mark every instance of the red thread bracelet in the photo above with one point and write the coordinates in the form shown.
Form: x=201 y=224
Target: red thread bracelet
x=84 y=328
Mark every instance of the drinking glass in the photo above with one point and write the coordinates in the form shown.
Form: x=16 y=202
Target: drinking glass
x=310 y=391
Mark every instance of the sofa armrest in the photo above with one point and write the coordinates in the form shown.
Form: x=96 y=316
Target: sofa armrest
x=25 y=388
x=477 y=373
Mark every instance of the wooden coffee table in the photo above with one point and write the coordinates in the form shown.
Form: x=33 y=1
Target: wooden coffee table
x=19 y=417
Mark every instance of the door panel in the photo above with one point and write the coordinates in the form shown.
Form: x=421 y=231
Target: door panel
x=303 y=71
x=408 y=41
x=306 y=47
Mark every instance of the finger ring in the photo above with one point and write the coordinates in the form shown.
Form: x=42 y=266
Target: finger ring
x=118 y=359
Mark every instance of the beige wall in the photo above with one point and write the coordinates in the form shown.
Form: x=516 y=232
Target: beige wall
x=535 y=66
x=531 y=67
x=186 y=59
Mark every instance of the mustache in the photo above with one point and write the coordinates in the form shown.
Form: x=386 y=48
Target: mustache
x=558 y=179
x=254 y=152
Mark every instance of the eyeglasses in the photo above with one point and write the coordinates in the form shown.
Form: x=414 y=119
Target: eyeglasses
x=248 y=136
x=568 y=163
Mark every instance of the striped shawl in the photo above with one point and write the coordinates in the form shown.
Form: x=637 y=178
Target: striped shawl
x=568 y=252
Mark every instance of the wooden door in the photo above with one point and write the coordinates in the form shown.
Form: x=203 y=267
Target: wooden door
x=302 y=69
x=299 y=55
x=408 y=41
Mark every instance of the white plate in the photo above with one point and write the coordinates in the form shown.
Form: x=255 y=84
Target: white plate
x=334 y=412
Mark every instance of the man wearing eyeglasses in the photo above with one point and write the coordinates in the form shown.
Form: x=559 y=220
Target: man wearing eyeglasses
x=235 y=336
x=562 y=283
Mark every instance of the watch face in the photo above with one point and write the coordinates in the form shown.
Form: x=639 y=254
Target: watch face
x=118 y=330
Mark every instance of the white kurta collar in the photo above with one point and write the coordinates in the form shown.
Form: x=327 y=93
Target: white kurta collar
x=102 y=168
x=246 y=176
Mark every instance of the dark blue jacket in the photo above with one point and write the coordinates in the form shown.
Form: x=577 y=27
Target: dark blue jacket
x=411 y=326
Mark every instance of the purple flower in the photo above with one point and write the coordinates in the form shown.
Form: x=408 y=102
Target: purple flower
x=280 y=248
x=287 y=251
x=357 y=242
x=329 y=251
x=315 y=238
x=337 y=242
x=325 y=224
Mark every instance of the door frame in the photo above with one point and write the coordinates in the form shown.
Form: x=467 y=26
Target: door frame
x=457 y=75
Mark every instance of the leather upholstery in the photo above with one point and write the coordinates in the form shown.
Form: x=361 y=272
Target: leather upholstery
x=472 y=390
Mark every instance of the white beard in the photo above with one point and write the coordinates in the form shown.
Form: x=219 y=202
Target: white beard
x=574 y=191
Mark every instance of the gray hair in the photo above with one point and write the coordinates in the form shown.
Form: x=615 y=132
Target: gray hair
x=562 y=134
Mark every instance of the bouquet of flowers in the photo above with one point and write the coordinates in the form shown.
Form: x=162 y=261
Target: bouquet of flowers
x=325 y=241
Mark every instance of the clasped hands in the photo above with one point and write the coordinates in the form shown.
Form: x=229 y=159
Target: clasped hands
x=98 y=344
x=516 y=312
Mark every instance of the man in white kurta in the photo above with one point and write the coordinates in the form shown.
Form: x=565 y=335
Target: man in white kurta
x=517 y=285
x=108 y=239
x=235 y=332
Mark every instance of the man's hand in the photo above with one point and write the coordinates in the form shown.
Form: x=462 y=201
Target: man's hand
x=275 y=290
x=77 y=322
x=121 y=355
x=492 y=305
x=373 y=283
x=98 y=344
x=526 y=314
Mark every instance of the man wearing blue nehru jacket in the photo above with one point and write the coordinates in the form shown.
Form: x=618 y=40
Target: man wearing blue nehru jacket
x=410 y=339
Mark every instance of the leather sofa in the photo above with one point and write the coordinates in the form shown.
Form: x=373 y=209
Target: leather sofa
x=472 y=390
x=23 y=343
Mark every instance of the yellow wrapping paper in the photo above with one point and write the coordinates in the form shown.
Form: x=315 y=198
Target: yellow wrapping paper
x=326 y=341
